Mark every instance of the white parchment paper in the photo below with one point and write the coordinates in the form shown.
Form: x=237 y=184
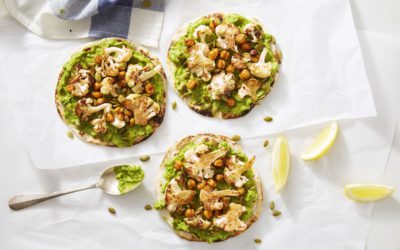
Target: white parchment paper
x=322 y=78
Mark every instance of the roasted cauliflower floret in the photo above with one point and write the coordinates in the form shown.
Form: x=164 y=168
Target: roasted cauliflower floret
x=233 y=173
x=201 y=32
x=175 y=196
x=239 y=61
x=253 y=30
x=214 y=200
x=230 y=222
x=136 y=75
x=143 y=108
x=199 y=63
x=221 y=84
x=200 y=168
x=84 y=108
x=261 y=68
x=227 y=33
x=108 y=87
x=99 y=125
x=81 y=83
x=118 y=123
x=249 y=89
x=197 y=221
x=120 y=55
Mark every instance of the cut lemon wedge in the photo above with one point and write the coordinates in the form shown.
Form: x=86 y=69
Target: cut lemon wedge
x=322 y=143
x=280 y=163
x=367 y=192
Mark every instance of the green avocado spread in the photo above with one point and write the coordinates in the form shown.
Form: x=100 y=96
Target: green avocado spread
x=230 y=104
x=128 y=177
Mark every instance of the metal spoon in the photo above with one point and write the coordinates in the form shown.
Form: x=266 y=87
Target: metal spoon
x=107 y=182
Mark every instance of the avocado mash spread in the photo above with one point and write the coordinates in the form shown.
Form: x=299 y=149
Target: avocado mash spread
x=128 y=177
x=223 y=64
x=209 y=188
x=112 y=93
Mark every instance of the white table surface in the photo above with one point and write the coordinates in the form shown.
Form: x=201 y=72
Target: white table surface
x=378 y=25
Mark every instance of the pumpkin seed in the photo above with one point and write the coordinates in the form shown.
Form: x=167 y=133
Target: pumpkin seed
x=112 y=210
x=70 y=134
x=144 y=158
x=236 y=138
x=148 y=207
x=258 y=241
x=174 y=105
x=272 y=205
x=276 y=213
x=268 y=119
x=97 y=77
x=266 y=143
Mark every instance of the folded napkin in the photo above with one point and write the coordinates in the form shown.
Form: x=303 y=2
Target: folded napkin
x=138 y=20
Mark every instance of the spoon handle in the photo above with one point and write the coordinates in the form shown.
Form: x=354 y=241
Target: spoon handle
x=22 y=201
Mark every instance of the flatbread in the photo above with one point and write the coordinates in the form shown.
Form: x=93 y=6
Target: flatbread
x=229 y=112
x=154 y=122
x=161 y=181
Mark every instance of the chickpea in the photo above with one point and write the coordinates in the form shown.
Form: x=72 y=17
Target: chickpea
x=211 y=183
x=253 y=52
x=221 y=64
x=149 y=88
x=231 y=102
x=241 y=38
x=120 y=117
x=219 y=177
x=208 y=214
x=255 y=59
x=189 y=42
x=245 y=47
x=178 y=164
x=189 y=212
x=97 y=86
x=70 y=87
x=219 y=163
x=122 y=83
x=127 y=113
x=201 y=185
x=230 y=69
x=191 y=84
x=121 y=75
x=118 y=110
x=214 y=23
x=109 y=117
x=132 y=122
x=97 y=94
x=98 y=59
x=213 y=54
x=244 y=75
x=224 y=55
x=191 y=184
x=241 y=190
x=126 y=118
x=100 y=101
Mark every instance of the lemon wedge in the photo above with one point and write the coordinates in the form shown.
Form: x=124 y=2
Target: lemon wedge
x=280 y=163
x=367 y=192
x=322 y=143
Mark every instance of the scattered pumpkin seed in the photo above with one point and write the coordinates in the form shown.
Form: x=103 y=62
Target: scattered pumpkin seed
x=97 y=77
x=148 y=207
x=174 y=105
x=112 y=210
x=266 y=143
x=144 y=158
x=70 y=134
x=276 y=213
x=272 y=205
x=258 y=241
x=268 y=119
x=236 y=138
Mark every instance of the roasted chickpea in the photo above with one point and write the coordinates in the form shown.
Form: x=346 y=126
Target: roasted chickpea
x=245 y=47
x=201 y=185
x=98 y=59
x=208 y=214
x=132 y=122
x=191 y=184
x=149 y=88
x=189 y=42
x=213 y=54
x=97 y=86
x=255 y=59
x=97 y=94
x=244 y=75
x=121 y=75
x=230 y=69
x=211 y=183
x=178 y=164
x=253 y=52
x=219 y=177
x=127 y=113
x=224 y=55
x=120 y=117
x=109 y=117
x=221 y=64
x=214 y=23
x=219 y=163
x=70 y=87
x=231 y=102
x=241 y=190
x=189 y=212
x=118 y=109
x=191 y=84
x=126 y=118
x=100 y=101
x=241 y=38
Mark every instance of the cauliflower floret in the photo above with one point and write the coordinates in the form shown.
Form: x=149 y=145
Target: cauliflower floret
x=239 y=61
x=175 y=196
x=230 y=221
x=108 y=67
x=214 y=200
x=201 y=32
x=253 y=30
x=107 y=87
x=249 y=88
x=201 y=149
x=99 y=125
x=81 y=83
x=120 y=55
x=233 y=173
x=118 y=123
x=136 y=75
x=199 y=63
x=200 y=167
x=84 y=108
x=261 y=69
x=197 y=221
x=227 y=33
x=143 y=108
x=221 y=84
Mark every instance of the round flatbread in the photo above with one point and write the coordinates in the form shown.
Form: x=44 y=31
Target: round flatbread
x=222 y=65
x=207 y=188
x=112 y=92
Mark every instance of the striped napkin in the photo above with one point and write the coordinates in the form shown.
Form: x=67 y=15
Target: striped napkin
x=138 y=20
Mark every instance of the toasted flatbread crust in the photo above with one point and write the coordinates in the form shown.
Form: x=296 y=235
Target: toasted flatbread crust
x=171 y=68
x=88 y=138
x=160 y=182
